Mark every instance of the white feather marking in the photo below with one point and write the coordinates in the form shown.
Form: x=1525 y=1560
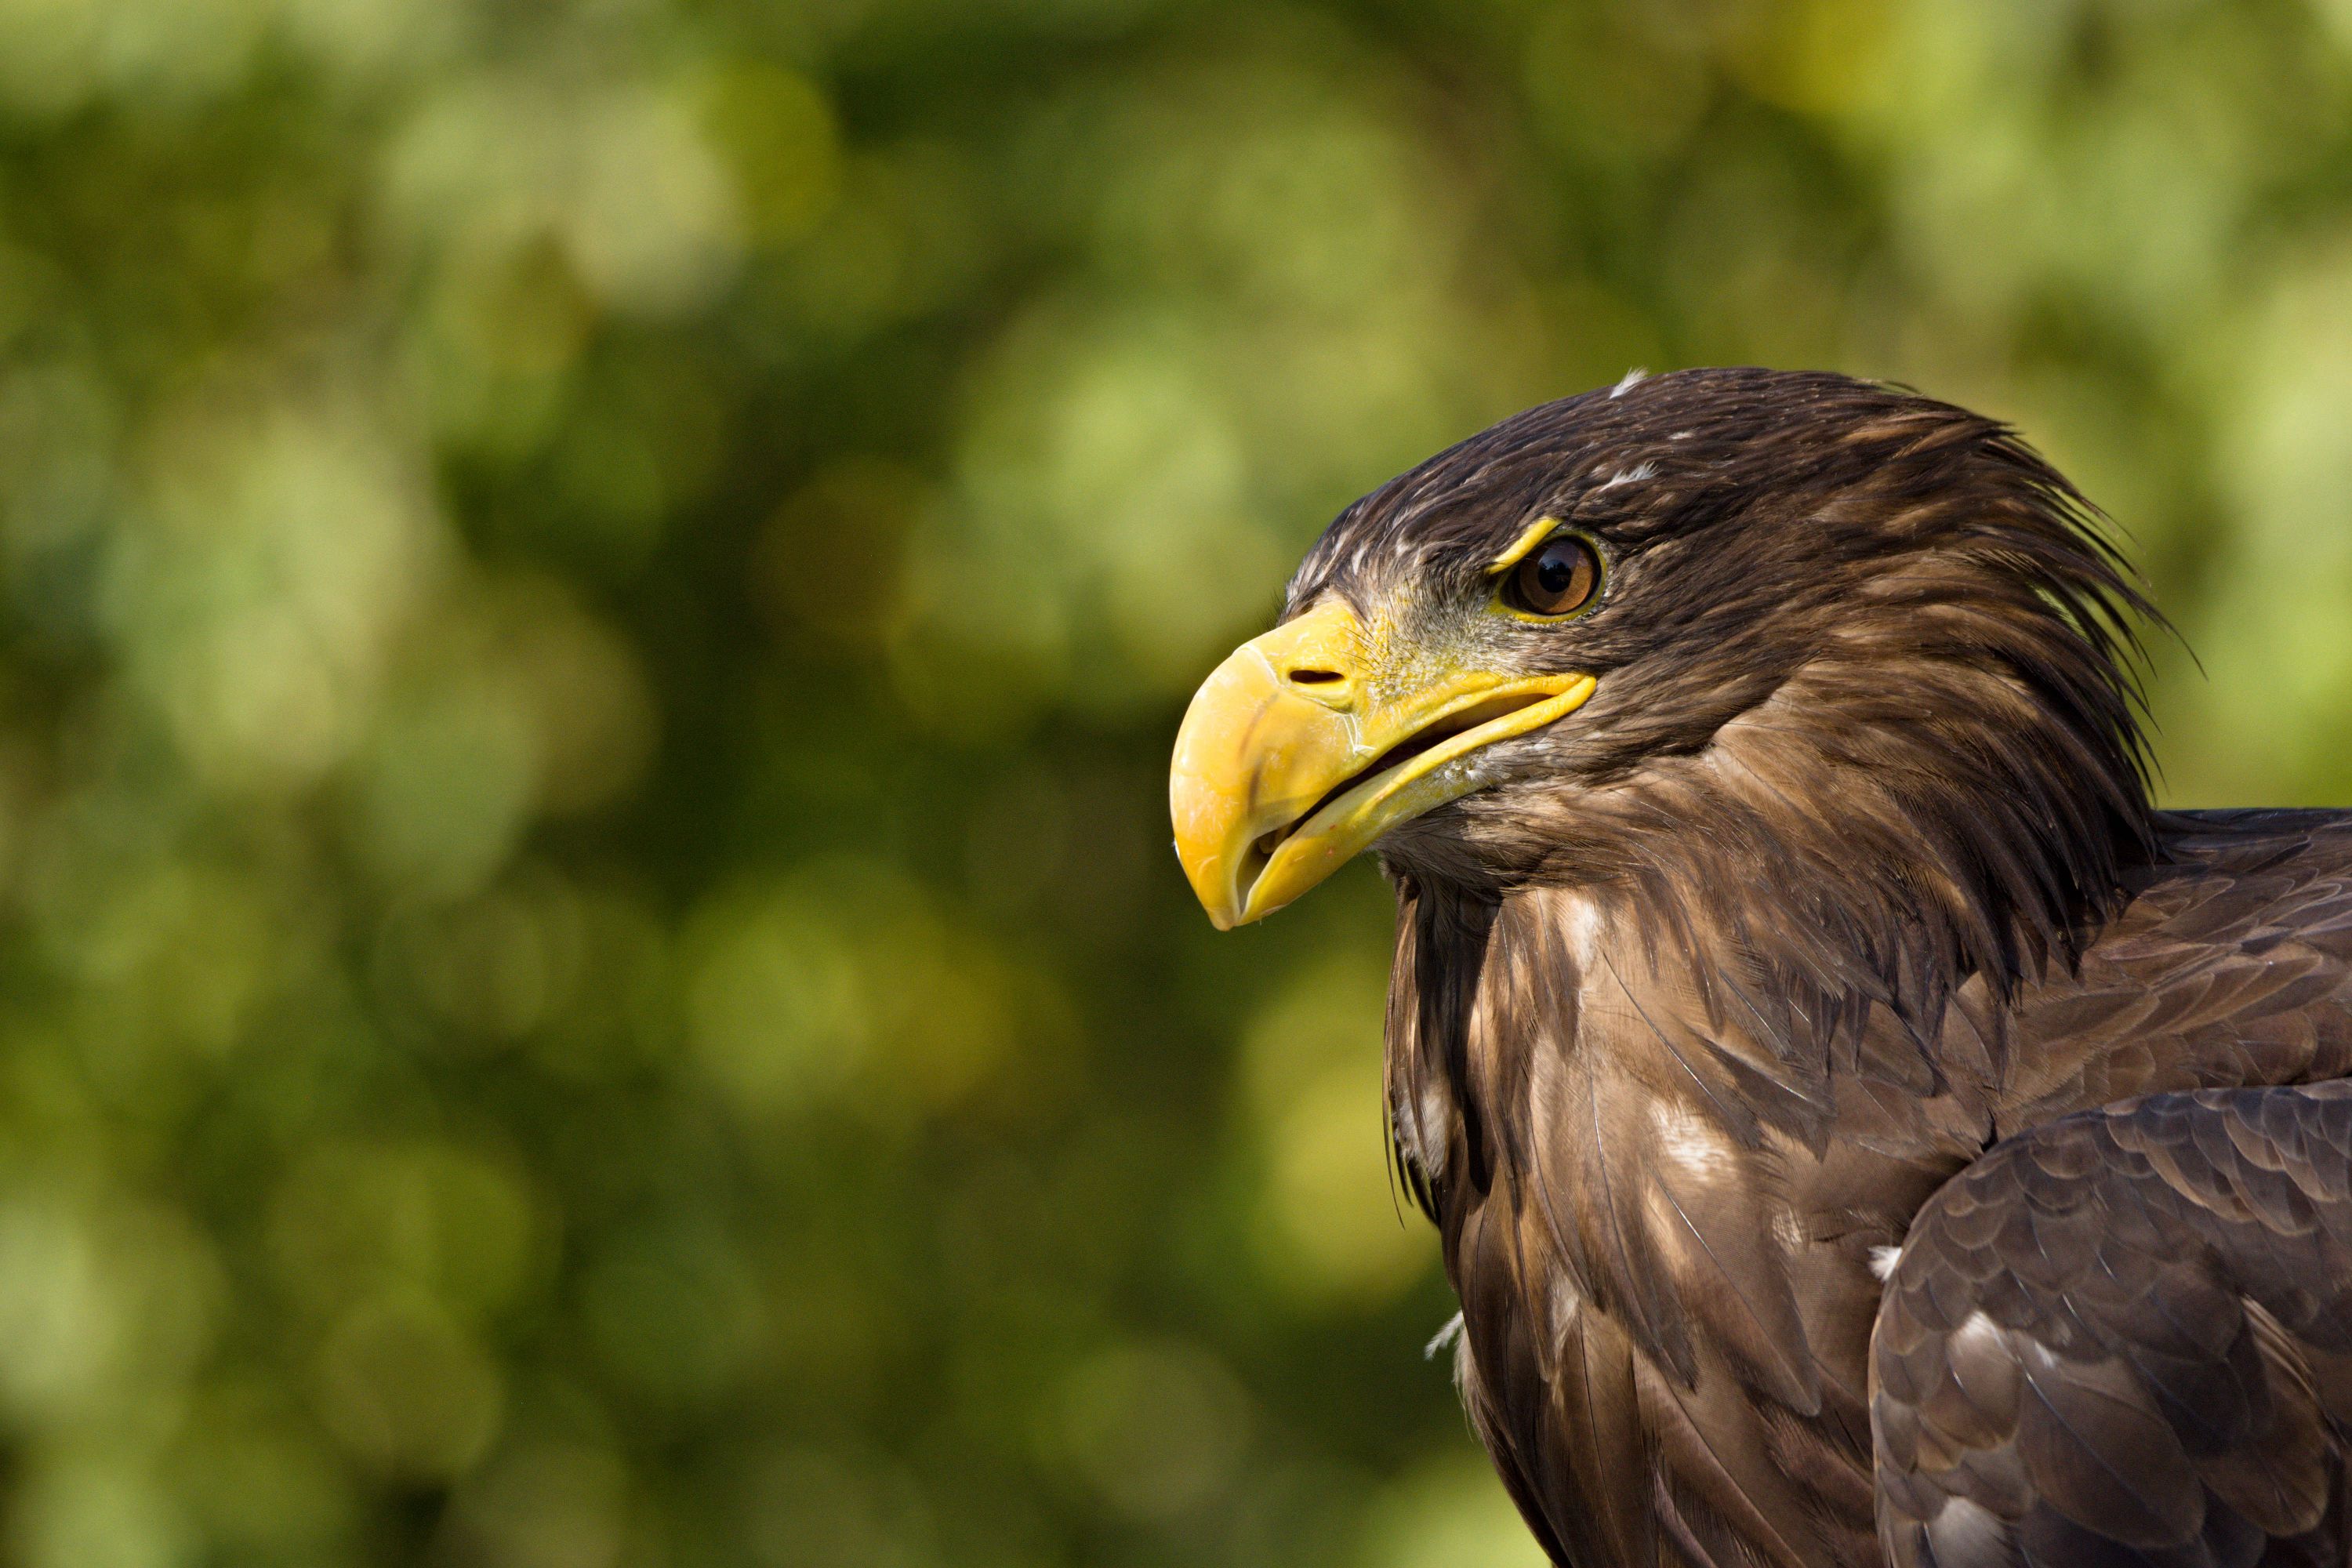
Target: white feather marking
x=1565 y=1306
x=1633 y=476
x=1424 y=1138
x=1582 y=927
x=1444 y=1339
x=1630 y=380
x=1689 y=1140
x=1978 y=1325
x=1965 y=1531
x=1883 y=1260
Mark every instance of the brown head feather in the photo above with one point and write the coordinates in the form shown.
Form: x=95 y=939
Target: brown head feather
x=1866 y=696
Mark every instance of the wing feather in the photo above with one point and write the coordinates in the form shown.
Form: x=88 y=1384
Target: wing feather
x=2128 y=1377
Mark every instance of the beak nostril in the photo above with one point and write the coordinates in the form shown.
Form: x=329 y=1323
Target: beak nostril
x=1314 y=677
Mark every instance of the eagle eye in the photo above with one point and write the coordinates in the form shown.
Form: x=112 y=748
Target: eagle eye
x=1556 y=579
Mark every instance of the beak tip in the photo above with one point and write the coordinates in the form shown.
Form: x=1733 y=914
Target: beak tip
x=1202 y=875
x=1247 y=754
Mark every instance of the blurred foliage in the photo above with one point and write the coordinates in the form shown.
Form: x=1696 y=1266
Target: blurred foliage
x=595 y=595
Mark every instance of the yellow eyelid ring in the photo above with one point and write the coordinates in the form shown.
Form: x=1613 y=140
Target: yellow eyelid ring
x=1543 y=532
x=1535 y=532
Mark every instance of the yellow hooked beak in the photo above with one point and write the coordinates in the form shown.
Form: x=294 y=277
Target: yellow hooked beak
x=1286 y=765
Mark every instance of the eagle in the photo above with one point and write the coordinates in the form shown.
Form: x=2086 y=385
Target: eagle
x=1861 y=1127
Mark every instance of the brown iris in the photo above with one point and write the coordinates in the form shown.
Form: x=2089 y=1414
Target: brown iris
x=1555 y=579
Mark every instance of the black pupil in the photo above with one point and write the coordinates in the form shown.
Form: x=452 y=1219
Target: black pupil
x=1556 y=569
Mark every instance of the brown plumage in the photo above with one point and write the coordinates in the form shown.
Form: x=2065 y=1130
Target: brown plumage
x=1837 y=921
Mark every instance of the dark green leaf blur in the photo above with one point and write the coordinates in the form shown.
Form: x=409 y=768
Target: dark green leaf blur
x=595 y=595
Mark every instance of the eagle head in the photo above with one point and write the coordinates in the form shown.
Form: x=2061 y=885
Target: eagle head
x=1869 y=649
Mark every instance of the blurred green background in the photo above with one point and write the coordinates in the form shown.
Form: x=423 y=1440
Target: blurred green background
x=596 y=591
